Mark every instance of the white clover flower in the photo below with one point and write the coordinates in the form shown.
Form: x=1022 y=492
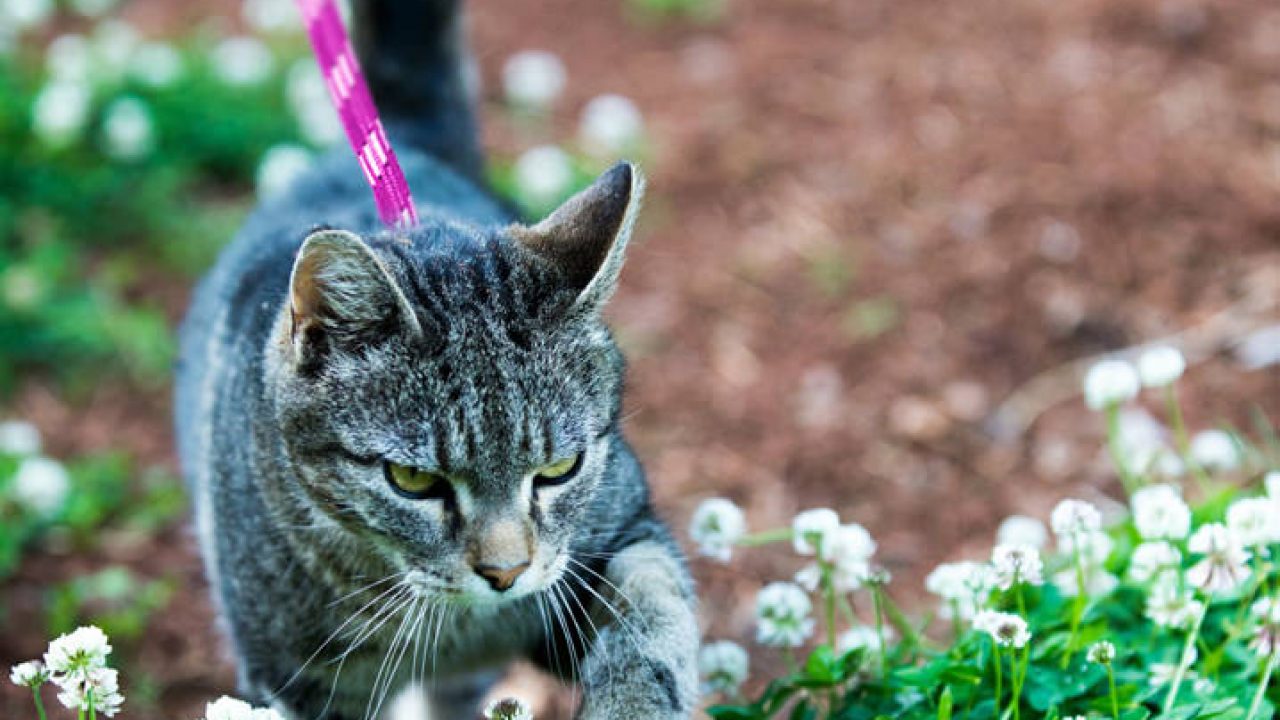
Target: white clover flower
x=1170 y=606
x=611 y=125
x=59 y=113
x=242 y=61
x=723 y=666
x=963 y=586
x=1153 y=559
x=25 y=14
x=69 y=58
x=127 y=129
x=1007 y=629
x=1102 y=653
x=78 y=651
x=1097 y=582
x=1159 y=513
x=308 y=98
x=508 y=709
x=845 y=576
x=280 y=167
x=1109 y=383
x=1160 y=366
x=114 y=43
x=1272 y=482
x=862 y=637
x=1223 y=567
x=156 y=65
x=1255 y=522
x=19 y=437
x=1215 y=451
x=271 y=16
x=1266 y=610
x=1073 y=517
x=1095 y=548
x=543 y=175
x=717 y=525
x=30 y=674
x=1022 y=530
x=1017 y=564
x=782 y=615
x=533 y=79
x=810 y=529
x=849 y=544
x=228 y=708
x=41 y=486
x=93 y=8
x=96 y=689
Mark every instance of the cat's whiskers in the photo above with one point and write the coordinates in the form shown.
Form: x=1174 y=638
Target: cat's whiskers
x=401 y=590
x=386 y=671
x=293 y=678
x=609 y=583
x=632 y=635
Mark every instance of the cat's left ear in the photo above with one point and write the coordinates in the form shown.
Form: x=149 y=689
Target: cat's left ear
x=342 y=296
x=586 y=237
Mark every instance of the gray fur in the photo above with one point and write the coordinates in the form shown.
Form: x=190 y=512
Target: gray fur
x=321 y=346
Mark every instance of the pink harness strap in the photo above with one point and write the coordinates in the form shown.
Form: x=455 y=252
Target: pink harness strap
x=350 y=95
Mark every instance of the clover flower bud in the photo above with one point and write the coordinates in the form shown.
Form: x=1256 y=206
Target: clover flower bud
x=1161 y=366
x=1102 y=653
x=1215 y=451
x=723 y=666
x=1109 y=383
x=811 y=528
x=782 y=615
x=508 y=709
x=1022 y=530
x=533 y=79
x=1007 y=629
x=1159 y=513
x=31 y=674
x=717 y=524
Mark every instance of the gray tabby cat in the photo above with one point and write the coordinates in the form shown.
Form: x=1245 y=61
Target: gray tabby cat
x=403 y=448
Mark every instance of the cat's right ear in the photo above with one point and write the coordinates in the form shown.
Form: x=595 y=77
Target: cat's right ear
x=342 y=297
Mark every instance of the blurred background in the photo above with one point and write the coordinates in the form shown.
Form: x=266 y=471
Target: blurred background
x=882 y=236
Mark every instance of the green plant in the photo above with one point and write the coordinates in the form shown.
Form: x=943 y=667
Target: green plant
x=1172 y=613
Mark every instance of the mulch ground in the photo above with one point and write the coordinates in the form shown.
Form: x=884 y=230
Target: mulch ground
x=869 y=224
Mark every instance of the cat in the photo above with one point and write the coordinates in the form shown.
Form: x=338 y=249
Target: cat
x=404 y=447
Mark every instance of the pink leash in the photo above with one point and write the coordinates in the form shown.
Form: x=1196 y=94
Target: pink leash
x=350 y=95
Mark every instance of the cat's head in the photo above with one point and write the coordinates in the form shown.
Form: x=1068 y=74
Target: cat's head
x=449 y=394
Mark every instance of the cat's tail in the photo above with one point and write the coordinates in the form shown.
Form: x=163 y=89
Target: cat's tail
x=415 y=58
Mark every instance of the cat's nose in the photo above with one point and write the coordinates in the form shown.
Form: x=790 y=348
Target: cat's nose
x=501 y=578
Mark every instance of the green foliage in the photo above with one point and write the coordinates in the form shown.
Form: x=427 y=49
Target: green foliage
x=101 y=494
x=113 y=599
x=84 y=232
x=1227 y=675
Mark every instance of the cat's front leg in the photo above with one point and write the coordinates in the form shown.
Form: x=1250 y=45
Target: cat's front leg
x=643 y=662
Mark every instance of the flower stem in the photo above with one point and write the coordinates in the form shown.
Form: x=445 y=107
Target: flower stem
x=1185 y=660
x=995 y=658
x=876 y=602
x=1115 y=700
x=1117 y=455
x=1262 y=686
x=829 y=597
x=1019 y=670
x=1182 y=441
x=35 y=692
x=765 y=537
x=1077 y=608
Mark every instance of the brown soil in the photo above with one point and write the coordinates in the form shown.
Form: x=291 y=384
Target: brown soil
x=869 y=223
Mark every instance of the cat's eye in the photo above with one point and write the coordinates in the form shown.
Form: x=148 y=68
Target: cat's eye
x=559 y=471
x=416 y=484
